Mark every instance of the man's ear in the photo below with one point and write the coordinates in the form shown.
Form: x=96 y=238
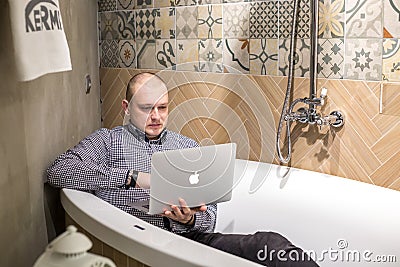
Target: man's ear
x=125 y=106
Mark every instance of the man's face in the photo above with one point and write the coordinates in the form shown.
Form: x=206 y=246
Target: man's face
x=148 y=108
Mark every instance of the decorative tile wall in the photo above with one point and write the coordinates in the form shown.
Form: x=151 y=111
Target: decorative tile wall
x=357 y=39
x=358 y=61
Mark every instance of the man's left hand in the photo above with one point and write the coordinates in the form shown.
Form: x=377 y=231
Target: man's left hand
x=183 y=214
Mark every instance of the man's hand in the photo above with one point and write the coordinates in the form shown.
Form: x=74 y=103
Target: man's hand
x=183 y=214
x=143 y=180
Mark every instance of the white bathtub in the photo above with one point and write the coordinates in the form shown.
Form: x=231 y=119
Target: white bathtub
x=340 y=222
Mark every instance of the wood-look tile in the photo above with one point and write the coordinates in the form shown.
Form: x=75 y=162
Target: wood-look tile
x=312 y=157
x=362 y=93
x=125 y=76
x=120 y=259
x=112 y=116
x=252 y=127
x=221 y=136
x=116 y=93
x=388 y=173
x=385 y=122
x=388 y=145
x=188 y=131
x=350 y=167
x=134 y=263
x=395 y=185
x=108 y=251
x=188 y=91
x=331 y=166
x=107 y=81
x=97 y=247
x=271 y=90
x=302 y=137
x=360 y=151
x=177 y=98
x=199 y=129
x=202 y=89
x=211 y=125
x=218 y=92
x=355 y=114
x=364 y=149
x=391 y=99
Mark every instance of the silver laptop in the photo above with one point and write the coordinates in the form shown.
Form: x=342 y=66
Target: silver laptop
x=201 y=175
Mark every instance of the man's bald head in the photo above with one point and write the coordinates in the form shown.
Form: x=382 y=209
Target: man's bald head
x=138 y=80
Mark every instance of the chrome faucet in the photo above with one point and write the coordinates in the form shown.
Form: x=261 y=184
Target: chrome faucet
x=311 y=116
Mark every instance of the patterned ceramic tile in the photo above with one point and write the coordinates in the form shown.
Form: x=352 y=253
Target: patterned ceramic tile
x=146 y=50
x=391 y=60
x=164 y=3
x=330 y=58
x=125 y=4
x=204 y=2
x=331 y=18
x=144 y=3
x=363 y=59
x=391 y=21
x=185 y=2
x=236 y=21
x=109 y=26
x=303 y=19
x=301 y=58
x=165 y=23
x=210 y=55
x=264 y=19
x=145 y=24
x=186 y=22
x=107 y=5
x=364 y=18
x=165 y=54
x=126 y=24
x=109 y=53
x=285 y=19
x=127 y=54
x=187 y=54
x=236 y=55
x=210 y=21
x=264 y=56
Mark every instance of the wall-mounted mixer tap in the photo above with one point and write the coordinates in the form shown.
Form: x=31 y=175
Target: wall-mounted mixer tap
x=311 y=116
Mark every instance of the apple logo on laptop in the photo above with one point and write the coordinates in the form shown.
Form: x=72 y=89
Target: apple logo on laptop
x=194 y=178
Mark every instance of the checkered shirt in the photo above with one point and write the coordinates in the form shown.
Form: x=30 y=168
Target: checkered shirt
x=100 y=162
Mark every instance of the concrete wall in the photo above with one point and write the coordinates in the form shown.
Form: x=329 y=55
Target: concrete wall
x=39 y=120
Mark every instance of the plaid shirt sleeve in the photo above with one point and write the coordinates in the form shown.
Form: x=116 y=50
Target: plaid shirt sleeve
x=85 y=167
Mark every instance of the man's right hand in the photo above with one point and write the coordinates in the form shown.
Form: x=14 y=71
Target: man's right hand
x=143 y=180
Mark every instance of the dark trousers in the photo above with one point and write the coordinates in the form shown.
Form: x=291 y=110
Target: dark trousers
x=266 y=248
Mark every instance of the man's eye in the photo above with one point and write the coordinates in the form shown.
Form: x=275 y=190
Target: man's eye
x=146 y=108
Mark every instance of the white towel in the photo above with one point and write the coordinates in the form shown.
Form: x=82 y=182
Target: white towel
x=39 y=39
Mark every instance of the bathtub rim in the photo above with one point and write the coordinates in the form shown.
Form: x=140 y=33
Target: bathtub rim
x=102 y=225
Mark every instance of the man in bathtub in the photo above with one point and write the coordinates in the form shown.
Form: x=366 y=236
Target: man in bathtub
x=102 y=164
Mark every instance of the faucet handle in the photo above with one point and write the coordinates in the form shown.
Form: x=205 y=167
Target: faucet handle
x=324 y=92
x=339 y=119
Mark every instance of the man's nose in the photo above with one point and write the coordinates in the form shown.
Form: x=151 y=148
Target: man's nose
x=154 y=114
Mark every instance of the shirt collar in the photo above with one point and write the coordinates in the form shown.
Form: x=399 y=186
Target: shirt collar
x=141 y=136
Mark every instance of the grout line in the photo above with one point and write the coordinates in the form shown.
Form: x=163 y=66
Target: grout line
x=380 y=98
